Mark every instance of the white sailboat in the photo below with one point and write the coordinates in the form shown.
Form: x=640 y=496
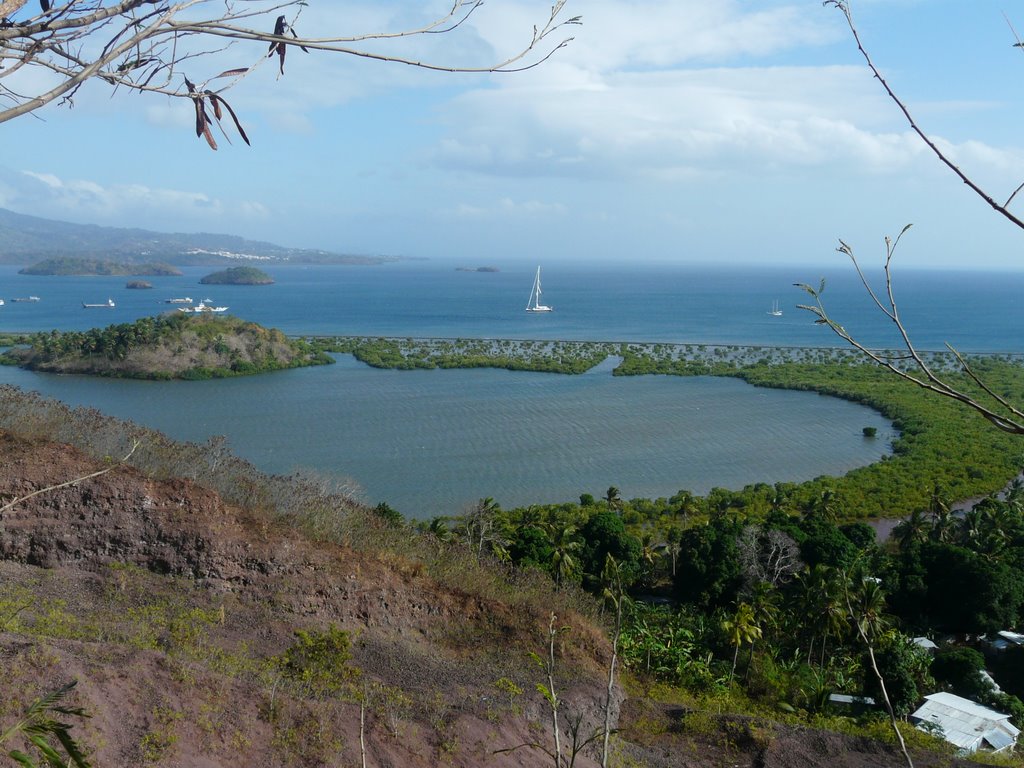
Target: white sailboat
x=533 y=304
x=775 y=311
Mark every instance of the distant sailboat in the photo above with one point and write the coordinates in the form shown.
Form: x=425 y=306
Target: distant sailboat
x=775 y=311
x=533 y=304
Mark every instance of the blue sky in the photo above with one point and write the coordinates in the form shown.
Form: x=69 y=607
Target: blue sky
x=670 y=130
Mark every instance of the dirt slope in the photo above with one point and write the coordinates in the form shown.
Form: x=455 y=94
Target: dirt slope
x=169 y=606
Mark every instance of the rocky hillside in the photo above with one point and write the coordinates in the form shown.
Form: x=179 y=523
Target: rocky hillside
x=238 y=620
x=172 y=609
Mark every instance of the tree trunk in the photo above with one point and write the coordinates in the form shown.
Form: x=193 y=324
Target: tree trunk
x=611 y=681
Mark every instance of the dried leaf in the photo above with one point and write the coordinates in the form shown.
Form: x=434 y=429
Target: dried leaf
x=231 y=73
x=209 y=137
x=200 y=117
x=238 y=125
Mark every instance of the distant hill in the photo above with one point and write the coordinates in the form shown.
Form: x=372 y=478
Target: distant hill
x=73 y=266
x=238 y=276
x=27 y=239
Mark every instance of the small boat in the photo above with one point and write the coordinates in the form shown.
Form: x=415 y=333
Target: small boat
x=1 y=302
x=201 y=308
x=108 y=303
x=775 y=311
x=183 y=300
x=26 y=298
x=533 y=304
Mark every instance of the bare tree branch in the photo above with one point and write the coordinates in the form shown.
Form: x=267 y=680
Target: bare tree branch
x=844 y=7
x=909 y=364
x=144 y=46
x=998 y=411
x=26 y=497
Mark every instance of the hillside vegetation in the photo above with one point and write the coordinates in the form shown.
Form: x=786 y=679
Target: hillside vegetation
x=236 y=619
x=238 y=276
x=171 y=346
x=83 y=266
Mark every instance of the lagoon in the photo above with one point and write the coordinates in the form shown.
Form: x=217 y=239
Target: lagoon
x=432 y=442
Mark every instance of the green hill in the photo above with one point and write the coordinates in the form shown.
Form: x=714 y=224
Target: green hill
x=172 y=346
x=238 y=276
x=76 y=266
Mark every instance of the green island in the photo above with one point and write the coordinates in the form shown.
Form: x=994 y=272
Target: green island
x=81 y=266
x=238 y=276
x=169 y=346
x=734 y=616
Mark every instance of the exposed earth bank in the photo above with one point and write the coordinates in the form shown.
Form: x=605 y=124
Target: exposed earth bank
x=173 y=609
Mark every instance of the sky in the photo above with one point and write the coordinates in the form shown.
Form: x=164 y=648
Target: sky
x=722 y=131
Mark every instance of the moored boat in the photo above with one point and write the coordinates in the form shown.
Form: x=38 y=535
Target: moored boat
x=533 y=303
x=202 y=307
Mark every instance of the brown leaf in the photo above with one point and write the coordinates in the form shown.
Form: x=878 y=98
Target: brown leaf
x=238 y=125
x=201 y=119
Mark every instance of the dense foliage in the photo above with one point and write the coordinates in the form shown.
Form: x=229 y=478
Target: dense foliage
x=238 y=276
x=537 y=356
x=174 y=345
x=784 y=605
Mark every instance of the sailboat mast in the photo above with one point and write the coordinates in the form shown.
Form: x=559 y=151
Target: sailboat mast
x=534 y=305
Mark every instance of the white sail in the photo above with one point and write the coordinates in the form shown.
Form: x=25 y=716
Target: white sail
x=533 y=303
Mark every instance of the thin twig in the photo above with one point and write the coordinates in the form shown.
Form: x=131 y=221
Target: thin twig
x=91 y=475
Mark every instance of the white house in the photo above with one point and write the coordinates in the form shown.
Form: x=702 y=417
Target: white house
x=966 y=724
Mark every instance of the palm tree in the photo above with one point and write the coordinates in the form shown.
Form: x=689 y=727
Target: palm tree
x=824 y=507
x=439 y=527
x=914 y=529
x=865 y=603
x=741 y=628
x=686 y=505
x=565 y=565
x=613 y=498
x=765 y=607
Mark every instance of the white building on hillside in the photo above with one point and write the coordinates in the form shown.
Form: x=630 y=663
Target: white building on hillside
x=966 y=724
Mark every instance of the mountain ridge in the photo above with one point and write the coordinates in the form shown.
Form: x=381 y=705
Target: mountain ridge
x=26 y=238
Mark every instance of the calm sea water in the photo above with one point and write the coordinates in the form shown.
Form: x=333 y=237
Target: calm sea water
x=432 y=442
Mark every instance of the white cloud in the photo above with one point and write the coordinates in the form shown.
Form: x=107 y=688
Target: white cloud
x=507 y=208
x=83 y=200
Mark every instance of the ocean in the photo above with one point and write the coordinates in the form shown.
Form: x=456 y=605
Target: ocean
x=433 y=442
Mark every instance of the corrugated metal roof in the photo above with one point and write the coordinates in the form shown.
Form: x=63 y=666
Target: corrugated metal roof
x=1013 y=637
x=998 y=739
x=966 y=723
